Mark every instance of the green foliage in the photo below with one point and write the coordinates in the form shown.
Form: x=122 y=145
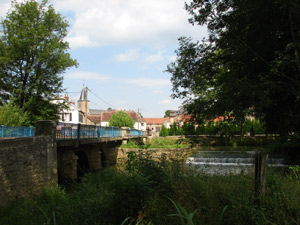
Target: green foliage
x=41 y=109
x=166 y=143
x=33 y=57
x=167 y=113
x=295 y=171
x=50 y=205
x=157 y=142
x=142 y=193
x=175 y=130
x=121 y=119
x=249 y=64
x=227 y=128
x=12 y=115
x=188 y=129
x=163 y=132
x=183 y=214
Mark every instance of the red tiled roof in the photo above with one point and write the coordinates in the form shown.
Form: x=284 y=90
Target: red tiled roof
x=106 y=115
x=95 y=119
x=221 y=118
x=156 y=121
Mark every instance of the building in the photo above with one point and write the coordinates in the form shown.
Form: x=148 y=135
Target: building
x=154 y=125
x=102 y=117
x=70 y=113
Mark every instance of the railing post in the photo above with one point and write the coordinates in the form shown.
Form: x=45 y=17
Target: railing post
x=30 y=131
x=64 y=131
x=78 y=132
x=2 y=130
x=112 y=131
x=98 y=131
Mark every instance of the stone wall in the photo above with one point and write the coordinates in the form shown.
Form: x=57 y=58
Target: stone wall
x=27 y=165
x=157 y=153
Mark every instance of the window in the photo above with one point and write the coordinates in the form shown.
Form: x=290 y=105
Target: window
x=80 y=118
x=66 y=117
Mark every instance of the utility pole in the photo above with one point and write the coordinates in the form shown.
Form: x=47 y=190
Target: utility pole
x=139 y=115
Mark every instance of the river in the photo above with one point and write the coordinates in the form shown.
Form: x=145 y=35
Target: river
x=228 y=160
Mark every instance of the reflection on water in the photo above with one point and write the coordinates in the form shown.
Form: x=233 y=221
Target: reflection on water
x=225 y=160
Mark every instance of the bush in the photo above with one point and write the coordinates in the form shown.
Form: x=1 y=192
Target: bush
x=163 y=132
x=143 y=191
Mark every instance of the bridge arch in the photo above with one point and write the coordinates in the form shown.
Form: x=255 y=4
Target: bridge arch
x=83 y=165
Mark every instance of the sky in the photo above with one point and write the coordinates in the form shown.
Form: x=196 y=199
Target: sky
x=123 y=48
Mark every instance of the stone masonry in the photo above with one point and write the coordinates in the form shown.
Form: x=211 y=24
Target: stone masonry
x=27 y=165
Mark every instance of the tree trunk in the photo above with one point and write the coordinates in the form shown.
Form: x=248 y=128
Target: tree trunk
x=261 y=163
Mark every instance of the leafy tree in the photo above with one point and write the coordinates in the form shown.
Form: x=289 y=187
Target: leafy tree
x=167 y=113
x=33 y=57
x=163 y=132
x=249 y=64
x=121 y=119
x=12 y=115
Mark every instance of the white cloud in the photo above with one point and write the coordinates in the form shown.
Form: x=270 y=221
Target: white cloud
x=172 y=58
x=156 y=92
x=4 y=7
x=86 y=75
x=155 y=57
x=129 y=55
x=107 y=22
x=164 y=102
x=150 y=82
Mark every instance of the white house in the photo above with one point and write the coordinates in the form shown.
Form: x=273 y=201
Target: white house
x=70 y=113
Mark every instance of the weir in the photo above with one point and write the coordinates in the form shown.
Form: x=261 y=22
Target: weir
x=225 y=162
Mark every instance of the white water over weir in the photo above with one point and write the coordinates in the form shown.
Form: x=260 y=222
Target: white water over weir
x=226 y=162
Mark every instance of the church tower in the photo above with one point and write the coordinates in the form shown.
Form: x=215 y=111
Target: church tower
x=83 y=103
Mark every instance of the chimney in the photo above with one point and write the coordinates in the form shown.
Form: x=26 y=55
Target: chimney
x=66 y=97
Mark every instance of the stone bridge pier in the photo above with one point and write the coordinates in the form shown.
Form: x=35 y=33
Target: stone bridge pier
x=76 y=160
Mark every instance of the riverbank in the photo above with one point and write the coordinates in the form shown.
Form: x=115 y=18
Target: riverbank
x=203 y=140
x=142 y=192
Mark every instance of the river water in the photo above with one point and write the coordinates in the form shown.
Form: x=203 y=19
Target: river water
x=228 y=160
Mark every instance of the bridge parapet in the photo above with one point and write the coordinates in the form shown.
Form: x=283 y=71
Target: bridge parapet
x=13 y=132
x=80 y=131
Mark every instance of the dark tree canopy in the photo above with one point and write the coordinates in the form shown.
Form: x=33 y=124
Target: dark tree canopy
x=249 y=64
x=33 y=57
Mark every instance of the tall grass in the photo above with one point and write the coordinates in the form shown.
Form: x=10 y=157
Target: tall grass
x=158 y=142
x=141 y=194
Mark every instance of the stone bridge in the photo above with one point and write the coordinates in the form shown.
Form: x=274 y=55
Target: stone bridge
x=27 y=165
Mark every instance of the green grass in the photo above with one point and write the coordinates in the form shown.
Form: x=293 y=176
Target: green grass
x=158 y=142
x=148 y=192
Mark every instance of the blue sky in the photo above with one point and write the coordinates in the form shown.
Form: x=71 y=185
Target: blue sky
x=123 y=48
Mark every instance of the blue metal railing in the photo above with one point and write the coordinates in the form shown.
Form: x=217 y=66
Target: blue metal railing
x=9 y=131
x=136 y=133
x=80 y=131
x=69 y=131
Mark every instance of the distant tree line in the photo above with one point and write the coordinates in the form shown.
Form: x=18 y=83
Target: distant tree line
x=222 y=128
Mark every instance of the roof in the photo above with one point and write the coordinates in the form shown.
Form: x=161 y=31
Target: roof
x=83 y=95
x=174 y=113
x=157 y=121
x=95 y=119
x=96 y=111
x=95 y=115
